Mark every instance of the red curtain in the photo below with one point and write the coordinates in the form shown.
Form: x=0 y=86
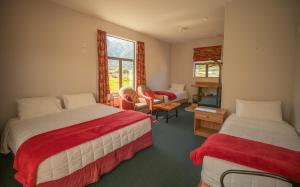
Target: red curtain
x=140 y=64
x=207 y=53
x=103 y=67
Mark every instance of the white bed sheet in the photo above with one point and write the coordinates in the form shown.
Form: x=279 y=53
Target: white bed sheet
x=271 y=132
x=179 y=94
x=64 y=163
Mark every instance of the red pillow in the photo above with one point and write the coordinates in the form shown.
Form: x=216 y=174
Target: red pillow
x=128 y=98
x=149 y=94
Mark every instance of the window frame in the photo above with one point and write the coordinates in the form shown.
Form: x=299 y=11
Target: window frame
x=124 y=59
x=206 y=63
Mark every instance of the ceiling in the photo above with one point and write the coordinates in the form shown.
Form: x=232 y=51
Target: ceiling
x=172 y=21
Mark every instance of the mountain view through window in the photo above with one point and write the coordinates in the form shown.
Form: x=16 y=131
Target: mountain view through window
x=121 y=67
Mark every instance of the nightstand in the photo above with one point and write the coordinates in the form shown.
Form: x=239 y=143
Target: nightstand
x=208 y=120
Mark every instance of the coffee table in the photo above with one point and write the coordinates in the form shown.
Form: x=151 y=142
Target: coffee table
x=167 y=107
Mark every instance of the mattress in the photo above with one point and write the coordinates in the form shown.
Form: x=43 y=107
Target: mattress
x=271 y=132
x=64 y=163
x=179 y=94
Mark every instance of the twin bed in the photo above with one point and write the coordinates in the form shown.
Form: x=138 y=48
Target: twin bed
x=179 y=91
x=260 y=122
x=84 y=163
x=271 y=132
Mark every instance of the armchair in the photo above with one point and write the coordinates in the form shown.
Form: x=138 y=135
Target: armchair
x=129 y=100
x=145 y=92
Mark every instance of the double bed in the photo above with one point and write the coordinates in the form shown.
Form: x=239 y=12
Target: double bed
x=84 y=163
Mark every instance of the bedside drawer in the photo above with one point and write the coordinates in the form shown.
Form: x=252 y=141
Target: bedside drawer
x=209 y=117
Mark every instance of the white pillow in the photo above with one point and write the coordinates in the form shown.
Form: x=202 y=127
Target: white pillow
x=78 y=100
x=177 y=87
x=38 y=106
x=267 y=110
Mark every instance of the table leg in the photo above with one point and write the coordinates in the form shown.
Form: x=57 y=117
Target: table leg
x=167 y=117
x=156 y=115
x=176 y=112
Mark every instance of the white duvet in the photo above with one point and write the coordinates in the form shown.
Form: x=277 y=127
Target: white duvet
x=271 y=132
x=64 y=163
x=179 y=94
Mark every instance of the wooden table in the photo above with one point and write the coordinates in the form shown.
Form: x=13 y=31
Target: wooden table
x=208 y=120
x=167 y=107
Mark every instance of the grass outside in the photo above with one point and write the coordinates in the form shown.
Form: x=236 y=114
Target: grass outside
x=114 y=84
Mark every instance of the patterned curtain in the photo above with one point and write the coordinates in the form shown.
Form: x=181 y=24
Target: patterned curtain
x=103 y=67
x=140 y=64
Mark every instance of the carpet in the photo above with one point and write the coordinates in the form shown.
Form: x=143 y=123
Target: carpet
x=164 y=164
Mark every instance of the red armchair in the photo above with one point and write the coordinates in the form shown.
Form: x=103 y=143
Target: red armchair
x=146 y=93
x=129 y=100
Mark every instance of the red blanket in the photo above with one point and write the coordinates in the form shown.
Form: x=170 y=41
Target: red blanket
x=261 y=156
x=40 y=147
x=170 y=95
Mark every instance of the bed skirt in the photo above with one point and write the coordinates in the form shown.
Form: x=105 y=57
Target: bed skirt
x=93 y=171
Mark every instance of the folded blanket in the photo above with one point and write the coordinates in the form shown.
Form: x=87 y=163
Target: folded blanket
x=170 y=95
x=40 y=147
x=258 y=155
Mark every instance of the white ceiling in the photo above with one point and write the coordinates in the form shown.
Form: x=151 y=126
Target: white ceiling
x=162 y=19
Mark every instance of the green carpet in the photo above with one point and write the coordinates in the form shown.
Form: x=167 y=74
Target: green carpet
x=164 y=164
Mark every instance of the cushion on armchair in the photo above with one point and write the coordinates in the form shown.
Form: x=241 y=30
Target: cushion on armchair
x=150 y=94
x=128 y=98
x=139 y=106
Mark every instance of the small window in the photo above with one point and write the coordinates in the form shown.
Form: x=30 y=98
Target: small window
x=206 y=70
x=213 y=70
x=200 y=70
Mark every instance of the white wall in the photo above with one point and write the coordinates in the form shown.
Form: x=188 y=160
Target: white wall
x=296 y=96
x=182 y=62
x=259 y=51
x=47 y=49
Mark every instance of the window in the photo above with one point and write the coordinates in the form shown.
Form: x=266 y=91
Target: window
x=121 y=63
x=206 y=70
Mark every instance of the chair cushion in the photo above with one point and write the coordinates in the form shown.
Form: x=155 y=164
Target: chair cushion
x=149 y=93
x=139 y=106
x=128 y=98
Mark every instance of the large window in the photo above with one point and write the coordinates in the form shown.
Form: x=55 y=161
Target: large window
x=121 y=66
x=206 y=70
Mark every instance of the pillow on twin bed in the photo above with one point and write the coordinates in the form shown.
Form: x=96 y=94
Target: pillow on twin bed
x=177 y=87
x=267 y=110
x=78 y=100
x=38 y=106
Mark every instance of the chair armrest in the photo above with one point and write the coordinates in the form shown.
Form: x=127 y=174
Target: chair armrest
x=144 y=100
x=149 y=101
x=141 y=95
x=126 y=105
